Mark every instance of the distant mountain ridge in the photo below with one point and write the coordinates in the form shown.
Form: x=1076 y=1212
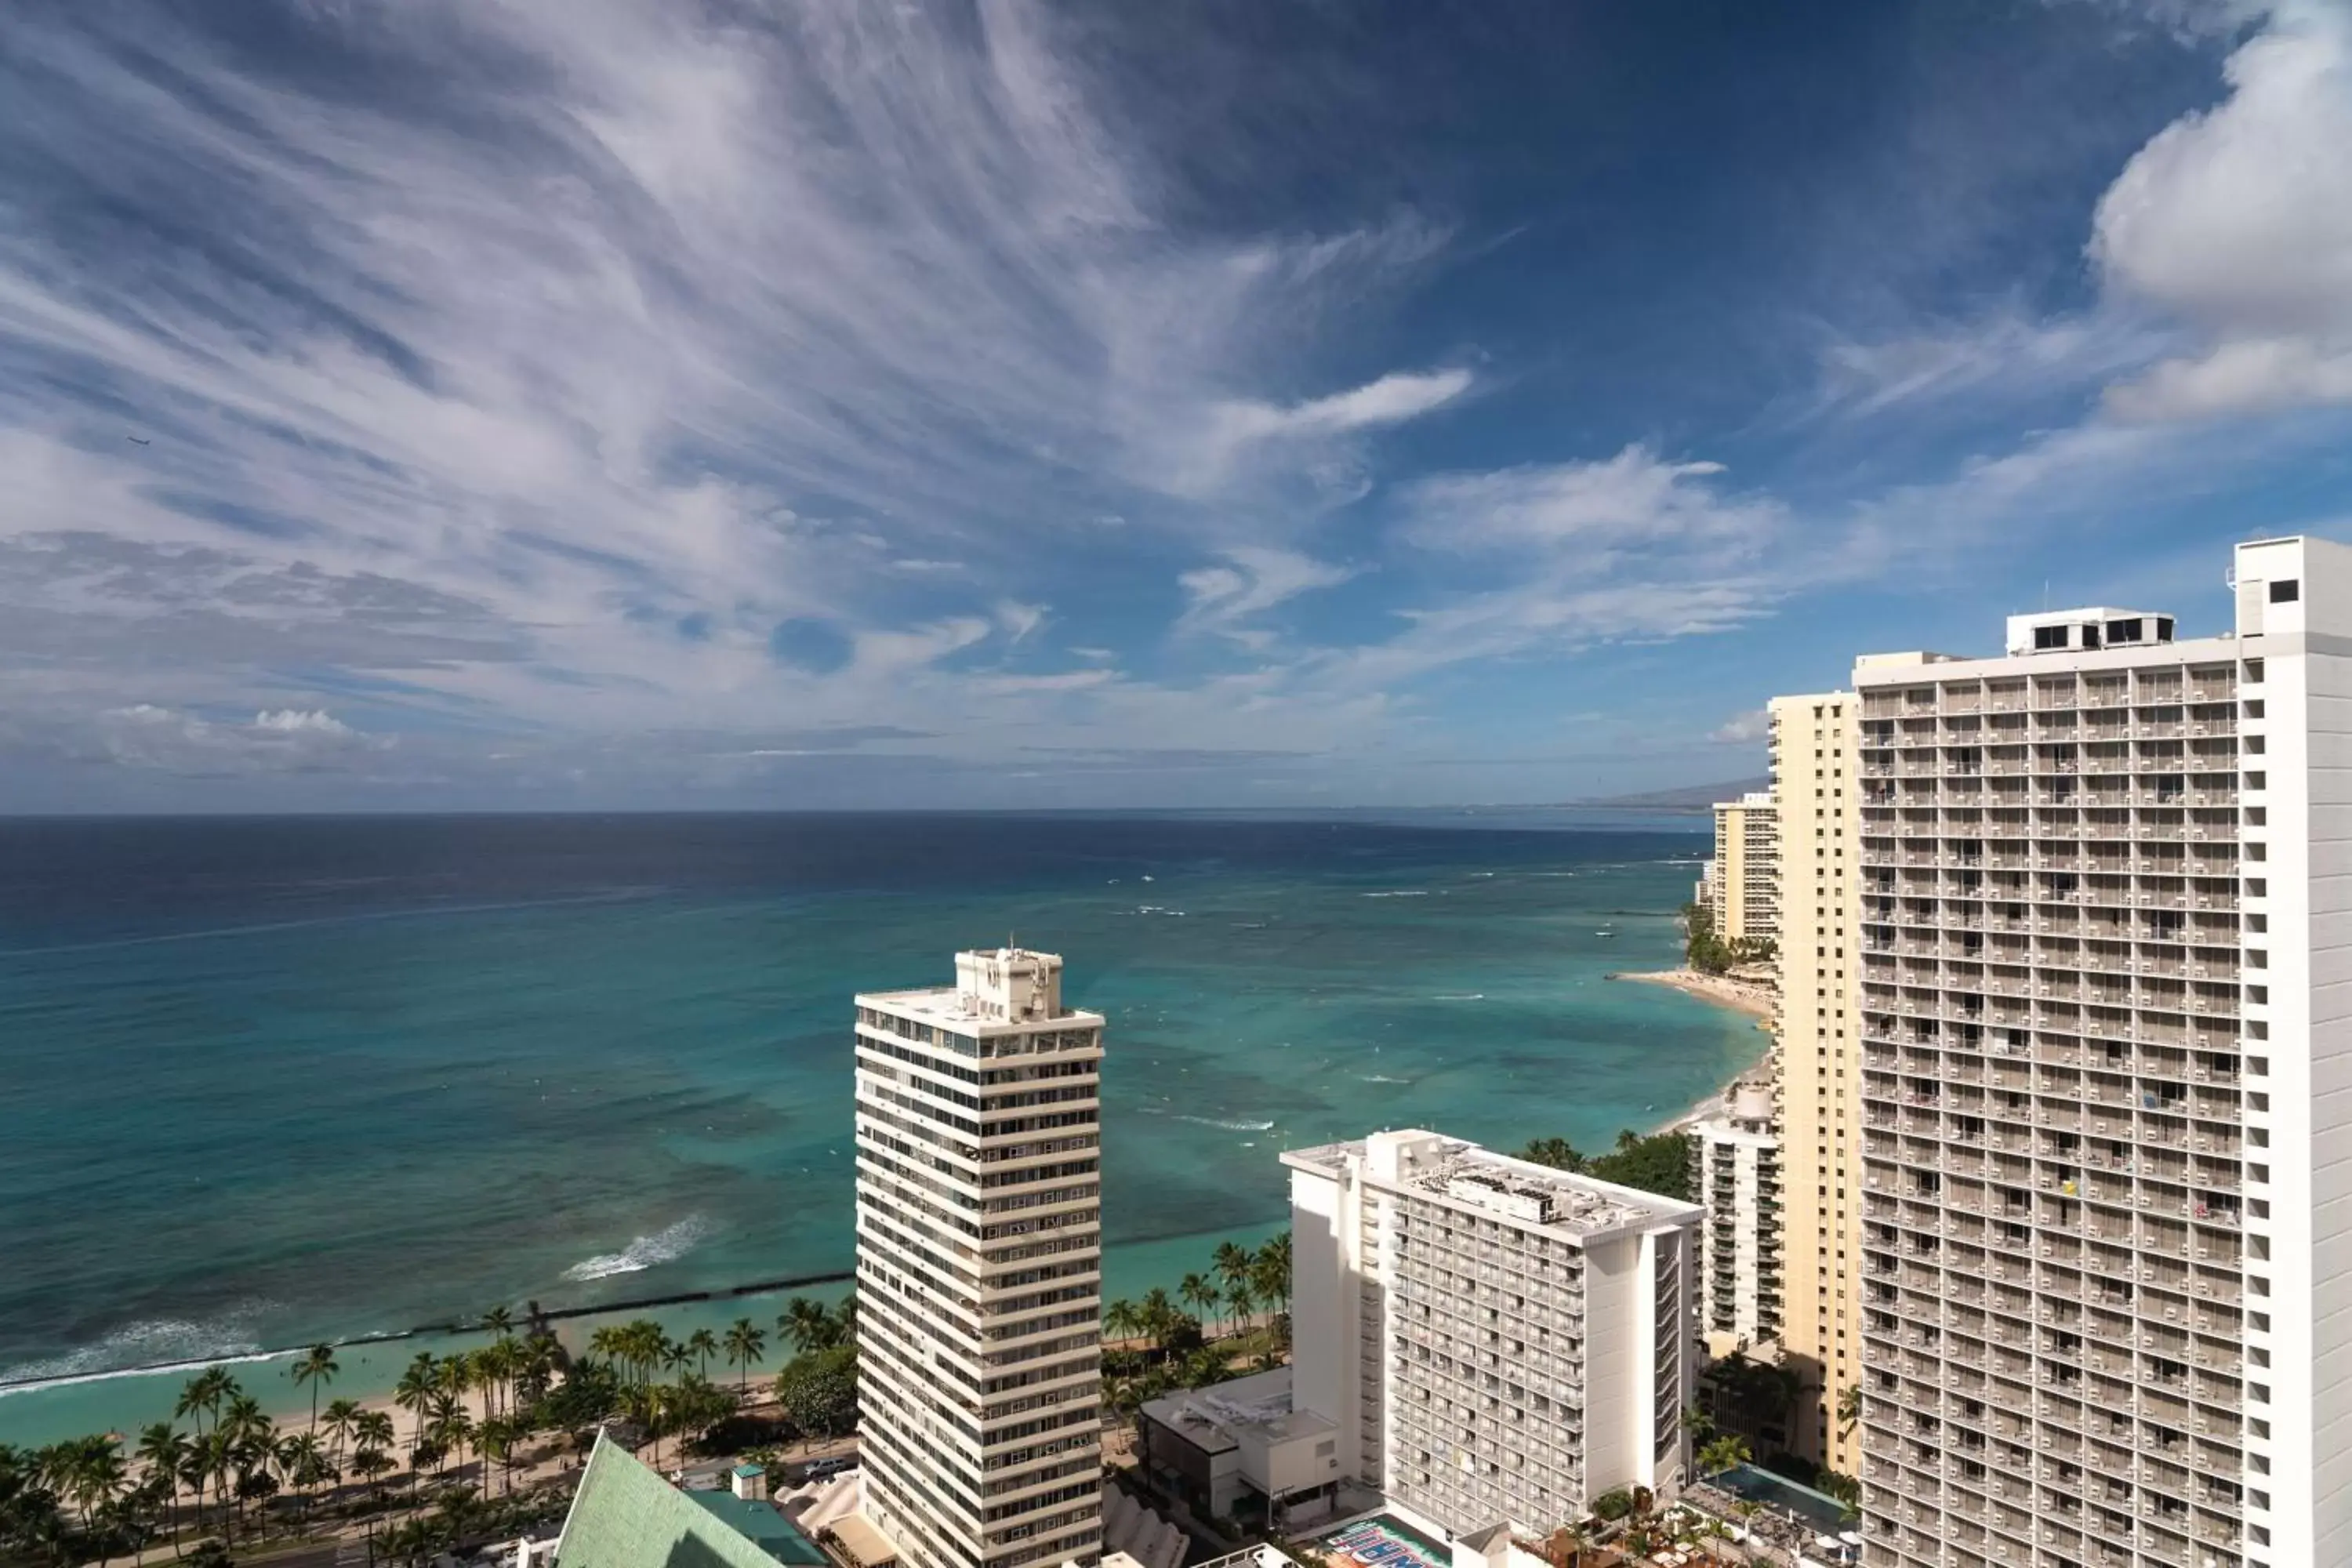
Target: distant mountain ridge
x=1687 y=797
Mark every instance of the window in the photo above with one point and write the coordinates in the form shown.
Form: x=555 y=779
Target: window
x=2286 y=591
x=2124 y=630
x=2049 y=637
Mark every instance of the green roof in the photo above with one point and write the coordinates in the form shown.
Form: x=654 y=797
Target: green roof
x=624 y=1515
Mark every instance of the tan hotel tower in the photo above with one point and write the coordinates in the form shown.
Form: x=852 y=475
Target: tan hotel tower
x=1815 y=759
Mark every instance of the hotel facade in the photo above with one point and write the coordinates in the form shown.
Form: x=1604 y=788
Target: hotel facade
x=1816 y=764
x=1746 y=869
x=1490 y=1342
x=979 y=1266
x=2104 y=922
x=1736 y=1171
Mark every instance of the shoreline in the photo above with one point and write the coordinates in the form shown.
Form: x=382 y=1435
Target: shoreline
x=124 y=1399
x=1745 y=997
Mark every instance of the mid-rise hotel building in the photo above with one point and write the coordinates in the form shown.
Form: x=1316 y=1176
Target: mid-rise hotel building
x=1815 y=768
x=2106 y=925
x=1491 y=1341
x=1736 y=1171
x=979 y=1266
x=1746 y=869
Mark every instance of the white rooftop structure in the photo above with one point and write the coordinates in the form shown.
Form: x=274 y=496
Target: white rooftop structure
x=2095 y=627
x=1462 y=1175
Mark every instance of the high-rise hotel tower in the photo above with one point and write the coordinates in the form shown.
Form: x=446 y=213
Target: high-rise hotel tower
x=2105 y=921
x=979 y=1266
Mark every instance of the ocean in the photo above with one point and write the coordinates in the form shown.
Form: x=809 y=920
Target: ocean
x=269 y=1081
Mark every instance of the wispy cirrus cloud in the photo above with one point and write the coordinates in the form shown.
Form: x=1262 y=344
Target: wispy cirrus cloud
x=1228 y=597
x=622 y=334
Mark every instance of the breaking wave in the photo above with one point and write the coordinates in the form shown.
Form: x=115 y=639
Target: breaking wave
x=150 y=1343
x=664 y=1246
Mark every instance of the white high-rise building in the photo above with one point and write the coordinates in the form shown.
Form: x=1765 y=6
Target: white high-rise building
x=1493 y=1342
x=2106 y=931
x=1736 y=1159
x=979 y=1266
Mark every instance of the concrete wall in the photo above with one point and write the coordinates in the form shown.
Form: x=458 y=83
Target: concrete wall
x=1616 y=1363
x=2297 y=745
x=1324 y=1295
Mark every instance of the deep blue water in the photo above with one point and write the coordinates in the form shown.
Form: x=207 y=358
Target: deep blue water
x=263 y=1081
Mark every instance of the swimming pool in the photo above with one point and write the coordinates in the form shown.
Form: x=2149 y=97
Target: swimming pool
x=1823 y=1511
x=1377 y=1543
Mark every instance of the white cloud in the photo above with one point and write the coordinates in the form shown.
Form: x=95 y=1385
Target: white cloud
x=1018 y=620
x=1391 y=400
x=641 y=320
x=2237 y=222
x=1743 y=729
x=150 y=737
x=295 y=721
x=2003 y=356
x=1248 y=581
x=1563 y=557
x=1588 y=513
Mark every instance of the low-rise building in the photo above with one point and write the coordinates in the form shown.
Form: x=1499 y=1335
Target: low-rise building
x=624 y=1515
x=1244 y=1450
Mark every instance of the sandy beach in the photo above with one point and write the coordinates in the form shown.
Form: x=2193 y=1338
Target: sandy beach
x=1756 y=1000
x=1744 y=996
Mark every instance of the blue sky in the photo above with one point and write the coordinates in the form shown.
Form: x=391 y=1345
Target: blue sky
x=550 y=404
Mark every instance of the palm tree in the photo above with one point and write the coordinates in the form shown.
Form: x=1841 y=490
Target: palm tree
x=341 y=1417
x=745 y=1342
x=369 y=1464
x=805 y=1323
x=457 y=1376
x=1242 y=1300
x=195 y=1469
x=190 y=1405
x=1231 y=1264
x=609 y=1341
x=1849 y=1410
x=216 y=1456
x=302 y=1465
x=316 y=1367
x=494 y=1440
x=1269 y=1274
x=371 y=1429
x=1727 y=1453
x=1199 y=1292
x=163 y=1449
x=1121 y=1320
x=452 y=1427
x=704 y=1344
x=414 y=1392
x=1158 y=1317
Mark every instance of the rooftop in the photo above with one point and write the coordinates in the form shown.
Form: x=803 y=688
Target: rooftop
x=1259 y=1403
x=1000 y=986
x=624 y=1515
x=1463 y=1174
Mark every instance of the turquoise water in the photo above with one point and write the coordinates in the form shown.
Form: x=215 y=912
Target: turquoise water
x=258 y=1093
